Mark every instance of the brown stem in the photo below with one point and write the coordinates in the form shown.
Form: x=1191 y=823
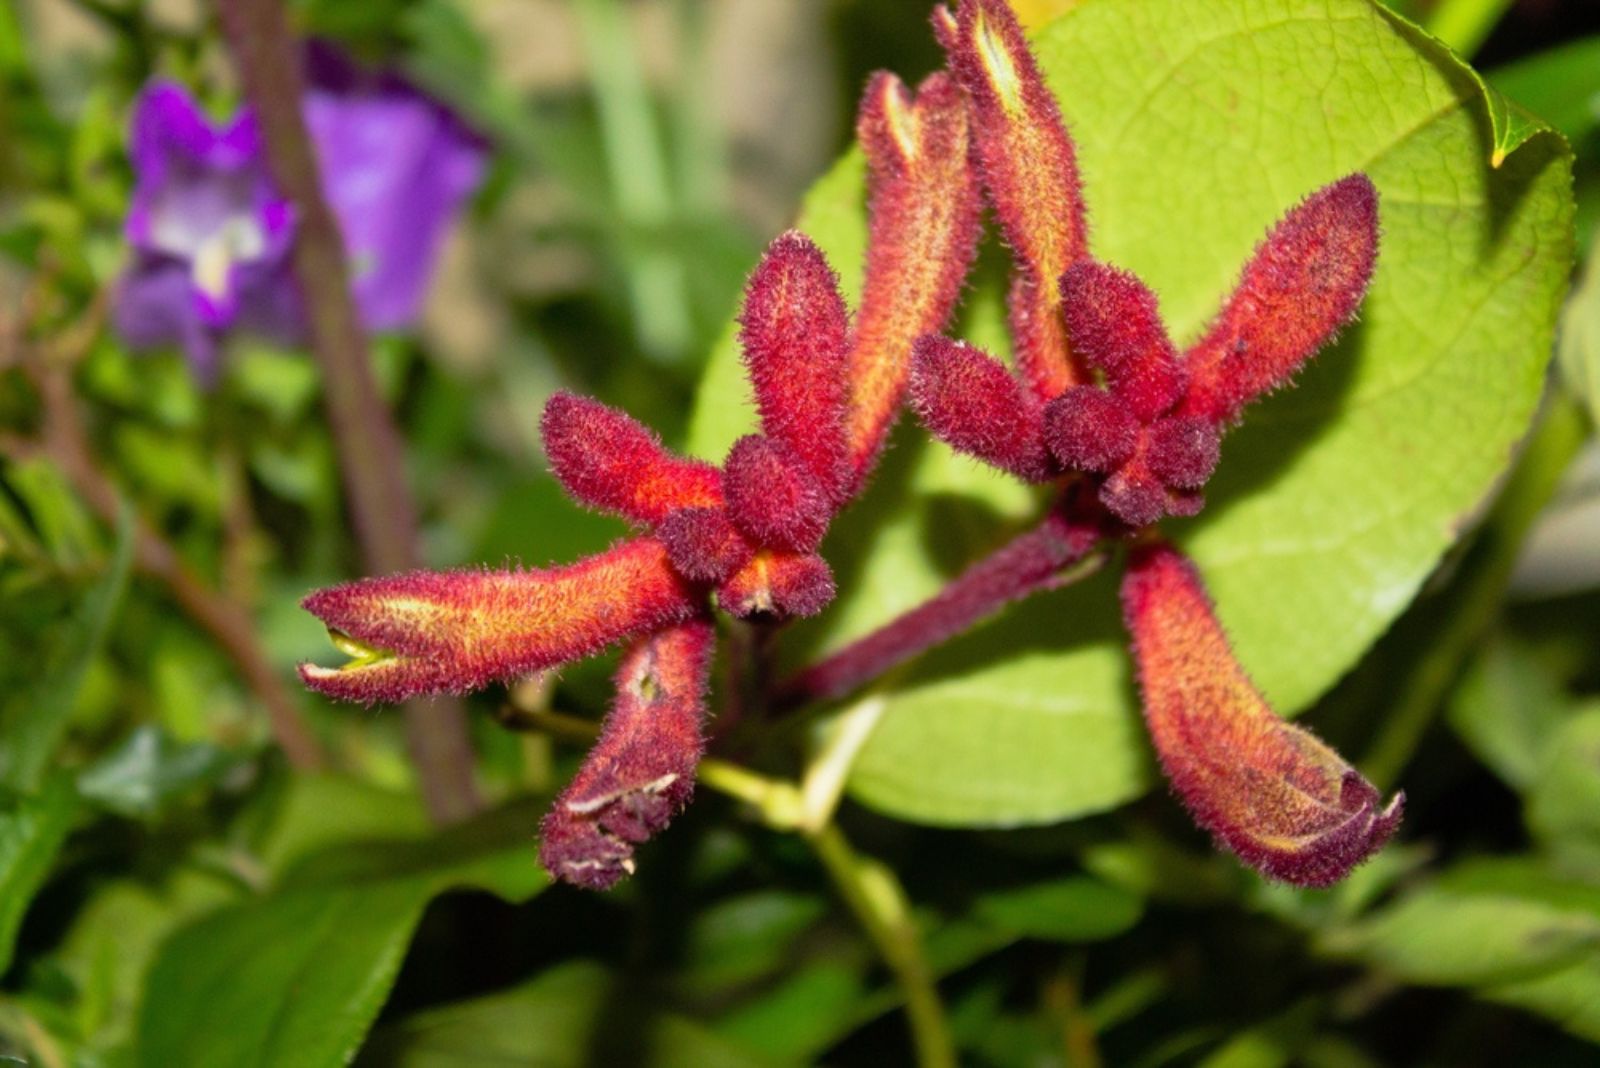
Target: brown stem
x=64 y=441
x=1029 y=563
x=371 y=459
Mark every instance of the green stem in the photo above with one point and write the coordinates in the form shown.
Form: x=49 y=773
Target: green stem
x=371 y=457
x=1470 y=607
x=1465 y=24
x=872 y=893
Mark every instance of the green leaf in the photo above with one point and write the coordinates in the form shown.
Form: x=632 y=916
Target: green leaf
x=1560 y=85
x=733 y=943
x=1564 y=805
x=31 y=831
x=149 y=769
x=41 y=711
x=1508 y=708
x=1579 y=349
x=1073 y=909
x=1198 y=126
x=573 y=1015
x=296 y=977
x=294 y=980
x=1511 y=931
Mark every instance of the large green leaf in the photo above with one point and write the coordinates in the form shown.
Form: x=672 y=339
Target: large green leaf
x=1198 y=126
x=297 y=976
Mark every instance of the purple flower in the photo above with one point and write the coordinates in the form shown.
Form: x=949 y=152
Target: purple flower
x=211 y=234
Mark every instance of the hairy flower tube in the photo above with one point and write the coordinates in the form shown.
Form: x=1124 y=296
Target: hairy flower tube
x=1103 y=404
x=742 y=536
x=211 y=233
x=1268 y=790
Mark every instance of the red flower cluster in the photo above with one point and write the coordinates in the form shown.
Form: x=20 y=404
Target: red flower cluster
x=1102 y=404
x=742 y=536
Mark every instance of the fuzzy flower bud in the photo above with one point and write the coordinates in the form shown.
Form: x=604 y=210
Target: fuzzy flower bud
x=607 y=460
x=975 y=405
x=793 y=330
x=1304 y=283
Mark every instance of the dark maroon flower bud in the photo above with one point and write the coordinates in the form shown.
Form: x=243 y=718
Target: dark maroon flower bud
x=973 y=403
x=771 y=496
x=1087 y=429
x=1182 y=452
x=703 y=544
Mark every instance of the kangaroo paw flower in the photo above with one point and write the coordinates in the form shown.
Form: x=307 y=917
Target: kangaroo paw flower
x=924 y=205
x=1304 y=283
x=641 y=772
x=975 y=405
x=793 y=330
x=457 y=631
x=1287 y=804
x=605 y=459
x=1030 y=172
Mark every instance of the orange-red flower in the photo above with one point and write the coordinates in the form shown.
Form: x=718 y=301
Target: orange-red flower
x=1103 y=402
x=742 y=536
x=1268 y=790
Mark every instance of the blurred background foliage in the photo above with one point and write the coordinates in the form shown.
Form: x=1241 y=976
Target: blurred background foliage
x=170 y=893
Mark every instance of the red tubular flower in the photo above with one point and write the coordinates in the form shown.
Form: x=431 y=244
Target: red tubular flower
x=923 y=207
x=1030 y=172
x=792 y=330
x=457 y=631
x=1287 y=804
x=605 y=459
x=641 y=772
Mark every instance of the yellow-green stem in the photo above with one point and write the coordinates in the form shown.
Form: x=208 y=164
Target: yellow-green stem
x=873 y=894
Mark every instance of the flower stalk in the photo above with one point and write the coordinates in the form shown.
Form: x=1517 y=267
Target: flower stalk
x=1031 y=562
x=371 y=458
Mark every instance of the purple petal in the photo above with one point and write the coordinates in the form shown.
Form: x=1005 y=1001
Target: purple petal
x=396 y=167
x=153 y=308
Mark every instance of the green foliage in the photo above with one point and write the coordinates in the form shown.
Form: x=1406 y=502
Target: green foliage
x=31 y=832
